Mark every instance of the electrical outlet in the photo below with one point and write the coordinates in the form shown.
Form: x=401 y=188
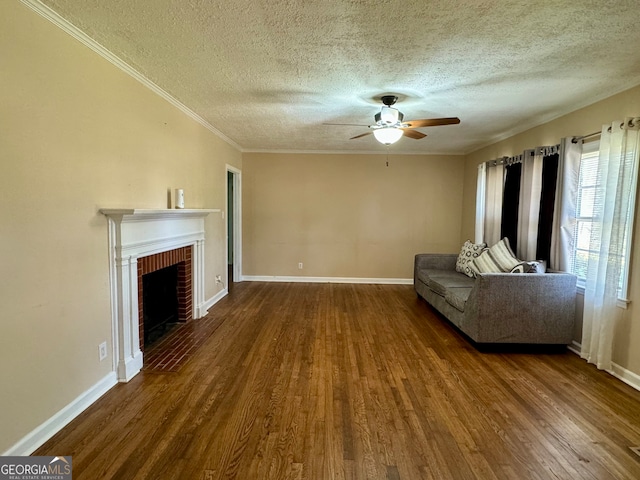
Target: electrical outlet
x=102 y=350
x=218 y=279
x=300 y=266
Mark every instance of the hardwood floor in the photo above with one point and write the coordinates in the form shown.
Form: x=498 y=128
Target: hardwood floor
x=331 y=381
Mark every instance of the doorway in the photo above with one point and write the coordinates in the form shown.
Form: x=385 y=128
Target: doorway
x=234 y=227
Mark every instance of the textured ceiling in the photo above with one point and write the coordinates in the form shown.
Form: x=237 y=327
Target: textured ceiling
x=269 y=73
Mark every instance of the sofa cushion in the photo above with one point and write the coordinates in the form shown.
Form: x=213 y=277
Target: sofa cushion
x=468 y=252
x=424 y=274
x=457 y=297
x=441 y=280
x=497 y=259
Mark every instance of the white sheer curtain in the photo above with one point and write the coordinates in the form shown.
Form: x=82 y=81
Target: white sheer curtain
x=493 y=202
x=613 y=207
x=564 y=213
x=480 y=196
x=529 y=206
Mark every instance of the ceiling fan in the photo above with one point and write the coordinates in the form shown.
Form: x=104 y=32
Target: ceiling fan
x=389 y=126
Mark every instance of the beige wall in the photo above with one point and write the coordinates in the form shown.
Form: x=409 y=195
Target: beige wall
x=78 y=134
x=348 y=215
x=581 y=122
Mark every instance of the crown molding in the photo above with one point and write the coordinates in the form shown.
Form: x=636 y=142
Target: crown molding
x=543 y=119
x=352 y=152
x=47 y=13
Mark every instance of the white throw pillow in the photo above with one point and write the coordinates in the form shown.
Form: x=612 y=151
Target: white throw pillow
x=468 y=252
x=539 y=266
x=497 y=259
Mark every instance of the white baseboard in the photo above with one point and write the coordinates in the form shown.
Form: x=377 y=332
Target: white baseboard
x=36 y=438
x=627 y=376
x=212 y=301
x=575 y=347
x=379 y=281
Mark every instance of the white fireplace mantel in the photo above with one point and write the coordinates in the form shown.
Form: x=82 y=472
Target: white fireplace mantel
x=136 y=233
x=151 y=213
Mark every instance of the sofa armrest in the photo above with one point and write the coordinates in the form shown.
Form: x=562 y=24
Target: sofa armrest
x=440 y=261
x=522 y=308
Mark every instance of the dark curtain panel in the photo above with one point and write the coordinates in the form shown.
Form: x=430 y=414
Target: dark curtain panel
x=510 y=204
x=547 y=201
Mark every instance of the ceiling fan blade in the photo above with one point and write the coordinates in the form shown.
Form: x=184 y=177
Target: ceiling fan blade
x=361 y=135
x=431 y=122
x=347 y=124
x=413 y=133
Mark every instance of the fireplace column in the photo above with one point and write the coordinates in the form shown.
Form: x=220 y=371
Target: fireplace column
x=198 y=275
x=128 y=337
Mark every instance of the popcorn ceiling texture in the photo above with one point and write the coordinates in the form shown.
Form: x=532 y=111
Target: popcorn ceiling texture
x=269 y=73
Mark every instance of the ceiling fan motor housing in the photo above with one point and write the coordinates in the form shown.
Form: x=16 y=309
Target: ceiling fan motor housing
x=388 y=116
x=389 y=100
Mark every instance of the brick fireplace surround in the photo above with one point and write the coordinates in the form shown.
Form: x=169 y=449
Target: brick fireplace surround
x=151 y=263
x=142 y=241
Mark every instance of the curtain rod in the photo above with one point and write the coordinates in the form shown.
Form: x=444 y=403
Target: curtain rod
x=542 y=150
x=631 y=123
x=589 y=135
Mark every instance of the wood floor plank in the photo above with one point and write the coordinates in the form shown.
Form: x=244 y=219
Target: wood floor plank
x=337 y=381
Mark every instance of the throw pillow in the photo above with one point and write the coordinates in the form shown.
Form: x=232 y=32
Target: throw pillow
x=497 y=259
x=468 y=252
x=523 y=267
x=539 y=266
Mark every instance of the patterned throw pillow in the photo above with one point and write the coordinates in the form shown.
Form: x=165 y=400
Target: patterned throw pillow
x=497 y=259
x=468 y=252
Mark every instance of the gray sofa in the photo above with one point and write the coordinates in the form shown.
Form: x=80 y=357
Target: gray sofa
x=499 y=308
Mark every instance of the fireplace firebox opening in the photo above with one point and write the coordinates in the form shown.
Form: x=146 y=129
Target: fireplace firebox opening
x=160 y=302
x=170 y=299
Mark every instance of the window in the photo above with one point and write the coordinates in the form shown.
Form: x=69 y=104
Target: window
x=586 y=207
x=584 y=211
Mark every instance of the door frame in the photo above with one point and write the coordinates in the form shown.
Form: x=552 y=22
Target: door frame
x=236 y=224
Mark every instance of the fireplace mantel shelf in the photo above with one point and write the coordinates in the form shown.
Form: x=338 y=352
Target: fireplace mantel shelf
x=148 y=213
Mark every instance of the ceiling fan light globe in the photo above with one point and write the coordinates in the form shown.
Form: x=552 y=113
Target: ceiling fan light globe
x=387 y=136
